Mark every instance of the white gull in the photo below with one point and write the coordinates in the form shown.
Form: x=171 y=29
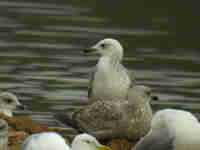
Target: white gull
x=8 y=103
x=172 y=130
x=53 y=141
x=110 y=79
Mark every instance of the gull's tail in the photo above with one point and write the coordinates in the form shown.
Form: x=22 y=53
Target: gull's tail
x=67 y=119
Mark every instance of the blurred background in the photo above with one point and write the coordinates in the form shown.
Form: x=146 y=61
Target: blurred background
x=42 y=42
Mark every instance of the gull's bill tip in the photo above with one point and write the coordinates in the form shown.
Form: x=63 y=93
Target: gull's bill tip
x=90 y=50
x=21 y=107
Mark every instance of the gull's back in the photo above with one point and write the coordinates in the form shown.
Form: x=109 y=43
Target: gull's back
x=183 y=126
x=172 y=130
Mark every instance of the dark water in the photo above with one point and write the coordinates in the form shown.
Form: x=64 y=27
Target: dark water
x=41 y=56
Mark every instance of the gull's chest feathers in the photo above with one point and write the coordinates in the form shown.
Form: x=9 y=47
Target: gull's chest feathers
x=106 y=71
x=110 y=81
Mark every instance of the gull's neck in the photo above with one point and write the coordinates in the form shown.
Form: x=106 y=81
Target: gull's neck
x=109 y=61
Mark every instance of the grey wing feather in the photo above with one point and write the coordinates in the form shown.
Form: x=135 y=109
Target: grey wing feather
x=155 y=141
x=67 y=119
x=92 y=75
x=130 y=74
x=132 y=77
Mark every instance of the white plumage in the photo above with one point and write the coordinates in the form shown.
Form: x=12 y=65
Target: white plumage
x=53 y=141
x=172 y=130
x=110 y=79
x=45 y=141
x=8 y=103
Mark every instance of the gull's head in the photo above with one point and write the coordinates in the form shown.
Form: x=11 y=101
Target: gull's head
x=45 y=141
x=107 y=47
x=8 y=103
x=87 y=142
x=140 y=94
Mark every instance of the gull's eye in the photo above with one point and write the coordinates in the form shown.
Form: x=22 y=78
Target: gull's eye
x=87 y=141
x=148 y=93
x=103 y=45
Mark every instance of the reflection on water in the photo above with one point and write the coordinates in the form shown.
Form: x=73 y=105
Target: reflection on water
x=42 y=61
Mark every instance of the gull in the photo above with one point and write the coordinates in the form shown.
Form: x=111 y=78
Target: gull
x=8 y=103
x=172 y=130
x=53 y=141
x=129 y=119
x=3 y=134
x=109 y=79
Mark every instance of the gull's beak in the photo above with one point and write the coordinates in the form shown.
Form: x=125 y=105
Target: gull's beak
x=21 y=107
x=90 y=50
x=103 y=147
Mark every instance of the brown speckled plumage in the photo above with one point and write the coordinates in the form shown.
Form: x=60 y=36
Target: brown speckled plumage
x=117 y=119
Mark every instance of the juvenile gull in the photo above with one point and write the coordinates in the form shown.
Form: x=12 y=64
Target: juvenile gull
x=172 y=130
x=8 y=103
x=53 y=141
x=110 y=79
x=129 y=119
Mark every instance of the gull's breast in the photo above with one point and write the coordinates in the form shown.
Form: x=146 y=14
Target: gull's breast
x=110 y=83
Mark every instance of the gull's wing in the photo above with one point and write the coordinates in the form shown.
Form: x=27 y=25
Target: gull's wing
x=132 y=77
x=67 y=119
x=92 y=74
x=130 y=73
x=155 y=140
x=121 y=67
x=98 y=119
